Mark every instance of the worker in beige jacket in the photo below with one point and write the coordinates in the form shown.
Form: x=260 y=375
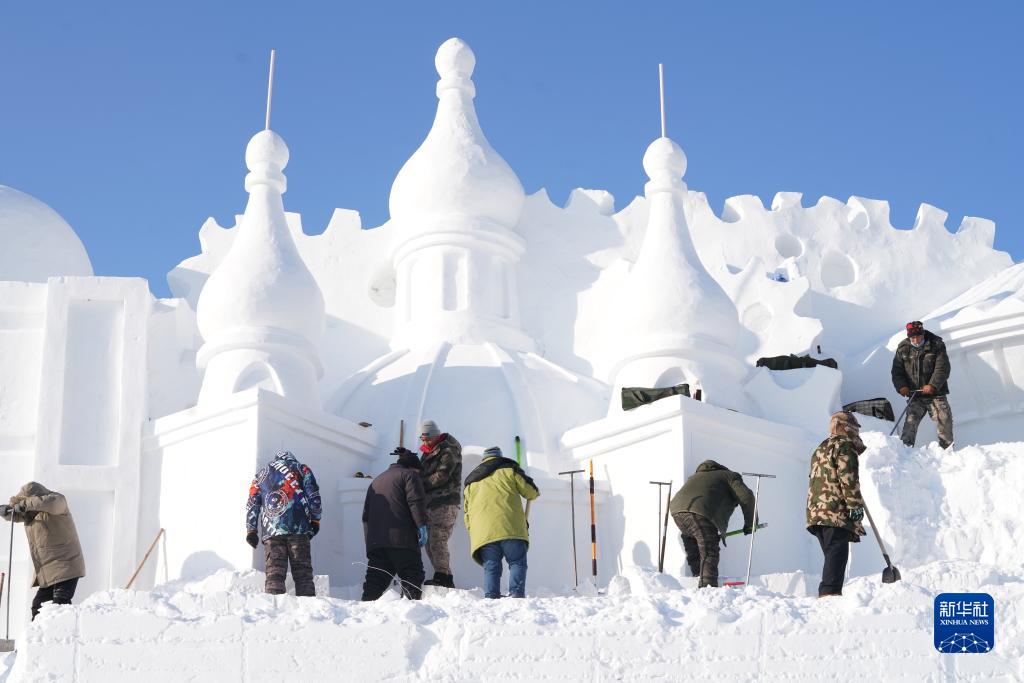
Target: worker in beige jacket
x=52 y=542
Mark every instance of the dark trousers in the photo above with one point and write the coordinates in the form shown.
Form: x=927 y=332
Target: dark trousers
x=383 y=564
x=700 y=541
x=835 y=544
x=279 y=552
x=59 y=593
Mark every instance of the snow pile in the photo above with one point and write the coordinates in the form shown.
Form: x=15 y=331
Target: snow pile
x=933 y=504
x=646 y=627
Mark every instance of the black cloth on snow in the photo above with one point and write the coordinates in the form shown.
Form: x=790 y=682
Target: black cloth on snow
x=872 y=407
x=492 y=465
x=385 y=563
x=634 y=397
x=395 y=508
x=793 y=362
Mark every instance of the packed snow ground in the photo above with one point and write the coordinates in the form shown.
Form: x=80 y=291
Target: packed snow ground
x=952 y=519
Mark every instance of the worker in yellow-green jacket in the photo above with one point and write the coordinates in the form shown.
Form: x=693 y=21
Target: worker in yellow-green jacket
x=496 y=521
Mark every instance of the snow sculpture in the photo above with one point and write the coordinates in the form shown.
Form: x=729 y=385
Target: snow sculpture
x=261 y=313
x=459 y=352
x=37 y=242
x=454 y=206
x=673 y=322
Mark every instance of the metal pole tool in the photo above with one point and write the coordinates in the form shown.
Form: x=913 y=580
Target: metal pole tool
x=753 y=532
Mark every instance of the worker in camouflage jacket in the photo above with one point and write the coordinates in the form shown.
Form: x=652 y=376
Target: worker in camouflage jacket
x=835 y=506
x=702 y=508
x=920 y=372
x=284 y=504
x=442 y=481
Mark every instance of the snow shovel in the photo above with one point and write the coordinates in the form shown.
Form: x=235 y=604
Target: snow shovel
x=890 y=574
x=7 y=645
x=910 y=398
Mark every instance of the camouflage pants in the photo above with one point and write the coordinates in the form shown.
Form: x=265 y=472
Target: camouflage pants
x=700 y=541
x=279 y=551
x=938 y=409
x=440 y=521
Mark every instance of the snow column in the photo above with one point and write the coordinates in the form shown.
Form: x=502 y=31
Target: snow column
x=261 y=313
x=673 y=322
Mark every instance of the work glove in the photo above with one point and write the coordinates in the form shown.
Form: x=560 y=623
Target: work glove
x=927 y=389
x=422 y=533
x=904 y=391
x=316 y=528
x=856 y=514
x=747 y=530
x=20 y=508
x=252 y=538
x=5 y=510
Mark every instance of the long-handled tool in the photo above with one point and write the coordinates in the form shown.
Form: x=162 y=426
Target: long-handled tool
x=519 y=451
x=593 y=527
x=572 y=507
x=753 y=532
x=910 y=398
x=890 y=574
x=7 y=645
x=664 y=531
x=737 y=532
x=401 y=433
x=662 y=535
x=144 y=559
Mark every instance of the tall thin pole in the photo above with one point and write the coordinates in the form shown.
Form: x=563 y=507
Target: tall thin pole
x=270 y=88
x=661 y=82
x=593 y=527
x=10 y=564
x=572 y=507
x=664 y=529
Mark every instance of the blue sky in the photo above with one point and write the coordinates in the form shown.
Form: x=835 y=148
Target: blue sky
x=131 y=119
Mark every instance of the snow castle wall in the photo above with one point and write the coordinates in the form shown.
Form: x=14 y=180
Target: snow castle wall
x=77 y=357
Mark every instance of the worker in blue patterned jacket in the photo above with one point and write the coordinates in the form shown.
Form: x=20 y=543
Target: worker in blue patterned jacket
x=284 y=504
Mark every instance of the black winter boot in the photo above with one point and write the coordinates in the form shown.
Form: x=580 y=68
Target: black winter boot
x=438 y=580
x=449 y=581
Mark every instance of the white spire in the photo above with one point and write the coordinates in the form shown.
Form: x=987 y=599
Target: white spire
x=261 y=313
x=455 y=172
x=454 y=208
x=677 y=323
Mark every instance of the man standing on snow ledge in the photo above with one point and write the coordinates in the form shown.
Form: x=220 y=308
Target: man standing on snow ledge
x=702 y=508
x=284 y=500
x=52 y=543
x=835 y=507
x=496 y=521
x=442 y=476
x=395 y=528
x=921 y=365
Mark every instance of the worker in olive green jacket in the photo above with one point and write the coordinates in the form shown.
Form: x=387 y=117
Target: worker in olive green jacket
x=701 y=509
x=496 y=521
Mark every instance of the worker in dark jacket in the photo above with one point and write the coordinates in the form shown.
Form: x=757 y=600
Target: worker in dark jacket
x=52 y=542
x=920 y=371
x=395 y=528
x=701 y=510
x=442 y=481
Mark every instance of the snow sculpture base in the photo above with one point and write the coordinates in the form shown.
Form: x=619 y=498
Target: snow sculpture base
x=207 y=458
x=666 y=441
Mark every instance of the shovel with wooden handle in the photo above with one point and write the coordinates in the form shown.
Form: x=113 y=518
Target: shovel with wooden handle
x=890 y=574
